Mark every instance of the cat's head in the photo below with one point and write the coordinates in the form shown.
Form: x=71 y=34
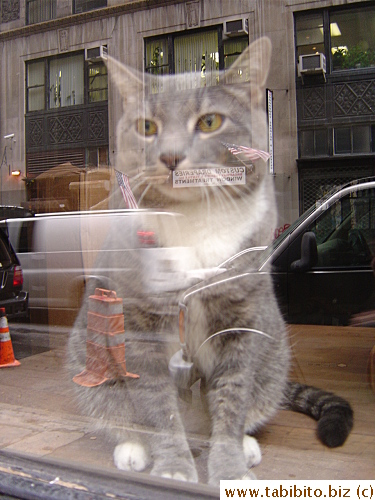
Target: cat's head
x=171 y=127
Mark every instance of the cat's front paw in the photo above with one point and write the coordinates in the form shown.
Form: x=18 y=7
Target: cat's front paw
x=251 y=450
x=226 y=461
x=130 y=457
x=181 y=470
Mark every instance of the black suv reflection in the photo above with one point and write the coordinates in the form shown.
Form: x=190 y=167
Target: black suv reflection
x=12 y=297
x=322 y=264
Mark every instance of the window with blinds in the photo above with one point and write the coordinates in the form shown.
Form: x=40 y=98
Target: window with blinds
x=198 y=54
x=86 y=5
x=202 y=54
x=59 y=82
x=66 y=81
x=38 y=11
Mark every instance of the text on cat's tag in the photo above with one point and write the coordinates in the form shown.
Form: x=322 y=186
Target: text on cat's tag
x=221 y=176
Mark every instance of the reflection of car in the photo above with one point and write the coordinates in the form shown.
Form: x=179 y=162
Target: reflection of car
x=321 y=264
x=59 y=254
x=12 y=297
x=13 y=212
x=321 y=269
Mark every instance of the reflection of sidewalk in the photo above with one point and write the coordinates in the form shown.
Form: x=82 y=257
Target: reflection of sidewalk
x=40 y=432
x=38 y=410
x=39 y=415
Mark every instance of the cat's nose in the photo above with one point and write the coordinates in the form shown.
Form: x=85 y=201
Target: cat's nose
x=171 y=160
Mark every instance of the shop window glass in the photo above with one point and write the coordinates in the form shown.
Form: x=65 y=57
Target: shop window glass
x=353 y=39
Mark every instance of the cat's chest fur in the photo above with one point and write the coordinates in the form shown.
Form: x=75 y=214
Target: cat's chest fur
x=217 y=230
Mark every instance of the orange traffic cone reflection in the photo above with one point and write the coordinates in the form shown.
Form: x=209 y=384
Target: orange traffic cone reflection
x=105 y=345
x=7 y=358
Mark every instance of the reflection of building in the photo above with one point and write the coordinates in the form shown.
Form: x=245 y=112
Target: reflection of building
x=57 y=101
x=66 y=110
x=336 y=109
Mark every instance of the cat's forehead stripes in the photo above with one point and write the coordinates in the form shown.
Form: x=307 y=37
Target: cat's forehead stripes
x=187 y=104
x=178 y=106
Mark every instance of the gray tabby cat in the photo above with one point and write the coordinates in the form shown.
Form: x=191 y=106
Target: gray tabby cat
x=171 y=124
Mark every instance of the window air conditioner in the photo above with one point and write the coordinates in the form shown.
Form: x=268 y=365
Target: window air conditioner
x=96 y=53
x=236 y=28
x=311 y=64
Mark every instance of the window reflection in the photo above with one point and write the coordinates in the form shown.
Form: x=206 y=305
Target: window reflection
x=353 y=39
x=66 y=81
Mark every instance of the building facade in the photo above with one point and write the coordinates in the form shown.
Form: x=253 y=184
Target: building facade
x=57 y=105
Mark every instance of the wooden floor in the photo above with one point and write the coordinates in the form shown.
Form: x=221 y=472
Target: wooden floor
x=38 y=414
x=335 y=359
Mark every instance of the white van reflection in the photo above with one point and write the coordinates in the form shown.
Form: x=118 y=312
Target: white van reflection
x=59 y=252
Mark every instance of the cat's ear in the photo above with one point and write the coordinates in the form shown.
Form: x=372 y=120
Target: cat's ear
x=252 y=65
x=128 y=82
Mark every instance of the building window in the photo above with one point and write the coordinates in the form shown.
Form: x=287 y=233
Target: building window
x=38 y=11
x=198 y=54
x=353 y=39
x=314 y=143
x=36 y=86
x=309 y=34
x=232 y=49
x=66 y=81
x=345 y=37
x=96 y=157
x=97 y=82
x=353 y=140
x=202 y=53
x=86 y=5
x=157 y=61
x=60 y=82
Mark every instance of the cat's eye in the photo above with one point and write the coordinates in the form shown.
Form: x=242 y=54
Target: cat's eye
x=146 y=127
x=210 y=122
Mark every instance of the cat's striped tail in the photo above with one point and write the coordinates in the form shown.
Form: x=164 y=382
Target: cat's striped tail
x=333 y=413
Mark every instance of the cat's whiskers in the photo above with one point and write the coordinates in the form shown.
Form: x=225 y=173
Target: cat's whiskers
x=208 y=202
x=137 y=176
x=136 y=187
x=229 y=200
x=144 y=194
